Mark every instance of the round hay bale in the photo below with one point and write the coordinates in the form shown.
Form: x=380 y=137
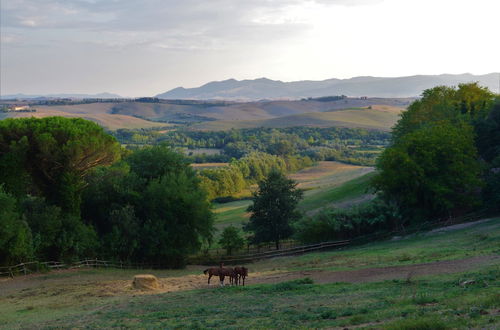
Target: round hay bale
x=146 y=282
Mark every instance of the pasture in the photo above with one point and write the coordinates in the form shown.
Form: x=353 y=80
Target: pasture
x=446 y=278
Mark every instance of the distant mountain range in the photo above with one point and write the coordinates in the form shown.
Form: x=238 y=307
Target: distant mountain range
x=264 y=88
x=62 y=96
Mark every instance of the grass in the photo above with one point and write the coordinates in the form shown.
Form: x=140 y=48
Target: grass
x=326 y=183
x=349 y=190
x=413 y=249
x=80 y=299
x=294 y=304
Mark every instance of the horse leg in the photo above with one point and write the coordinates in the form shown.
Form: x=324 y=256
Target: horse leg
x=209 y=276
x=244 y=280
x=221 y=278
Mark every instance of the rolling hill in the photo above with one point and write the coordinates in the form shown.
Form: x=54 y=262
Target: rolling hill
x=376 y=113
x=378 y=117
x=96 y=112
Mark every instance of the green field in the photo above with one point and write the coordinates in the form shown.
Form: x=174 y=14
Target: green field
x=456 y=284
x=330 y=184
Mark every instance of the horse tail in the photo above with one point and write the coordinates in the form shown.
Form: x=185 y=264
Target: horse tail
x=205 y=271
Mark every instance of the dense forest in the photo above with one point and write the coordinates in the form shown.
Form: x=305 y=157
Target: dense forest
x=350 y=145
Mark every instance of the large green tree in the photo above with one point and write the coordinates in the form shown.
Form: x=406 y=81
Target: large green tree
x=431 y=172
x=52 y=156
x=432 y=168
x=468 y=102
x=274 y=208
x=149 y=208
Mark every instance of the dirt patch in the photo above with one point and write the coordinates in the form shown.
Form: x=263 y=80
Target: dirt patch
x=383 y=273
x=456 y=227
x=192 y=282
x=110 y=288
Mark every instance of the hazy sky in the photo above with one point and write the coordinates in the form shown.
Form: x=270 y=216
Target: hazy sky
x=145 y=47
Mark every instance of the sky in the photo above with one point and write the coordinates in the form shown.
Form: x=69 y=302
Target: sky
x=145 y=47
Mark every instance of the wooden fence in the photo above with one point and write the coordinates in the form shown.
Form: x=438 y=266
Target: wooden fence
x=35 y=266
x=26 y=268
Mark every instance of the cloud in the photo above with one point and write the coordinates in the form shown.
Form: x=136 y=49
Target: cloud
x=166 y=24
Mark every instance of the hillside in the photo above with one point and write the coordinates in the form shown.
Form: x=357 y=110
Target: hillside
x=378 y=117
x=96 y=112
x=207 y=115
x=263 y=88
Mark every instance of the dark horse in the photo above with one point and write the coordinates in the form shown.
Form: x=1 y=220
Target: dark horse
x=222 y=273
x=241 y=273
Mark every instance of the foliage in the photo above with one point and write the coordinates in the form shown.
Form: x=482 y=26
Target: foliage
x=431 y=172
x=432 y=167
x=52 y=156
x=488 y=144
x=274 y=208
x=229 y=180
x=351 y=145
x=56 y=235
x=331 y=224
x=441 y=103
x=149 y=208
x=146 y=208
x=15 y=235
x=231 y=240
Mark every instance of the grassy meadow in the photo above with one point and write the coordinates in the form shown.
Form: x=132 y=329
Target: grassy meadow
x=289 y=292
x=327 y=183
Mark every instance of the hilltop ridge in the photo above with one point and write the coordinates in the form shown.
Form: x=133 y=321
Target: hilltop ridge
x=264 y=88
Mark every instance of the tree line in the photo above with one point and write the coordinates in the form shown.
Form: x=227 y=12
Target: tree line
x=351 y=145
x=241 y=173
x=68 y=190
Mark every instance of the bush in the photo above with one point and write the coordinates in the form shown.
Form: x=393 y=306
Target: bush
x=333 y=224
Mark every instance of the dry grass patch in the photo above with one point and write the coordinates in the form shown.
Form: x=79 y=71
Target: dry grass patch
x=204 y=166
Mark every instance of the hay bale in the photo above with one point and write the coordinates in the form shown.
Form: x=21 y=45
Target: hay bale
x=145 y=282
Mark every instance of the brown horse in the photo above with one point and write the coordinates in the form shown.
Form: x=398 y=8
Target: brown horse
x=241 y=273
x=222 y=273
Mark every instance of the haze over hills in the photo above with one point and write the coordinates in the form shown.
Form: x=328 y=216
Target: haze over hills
x=264 y=88
x=71 y=96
